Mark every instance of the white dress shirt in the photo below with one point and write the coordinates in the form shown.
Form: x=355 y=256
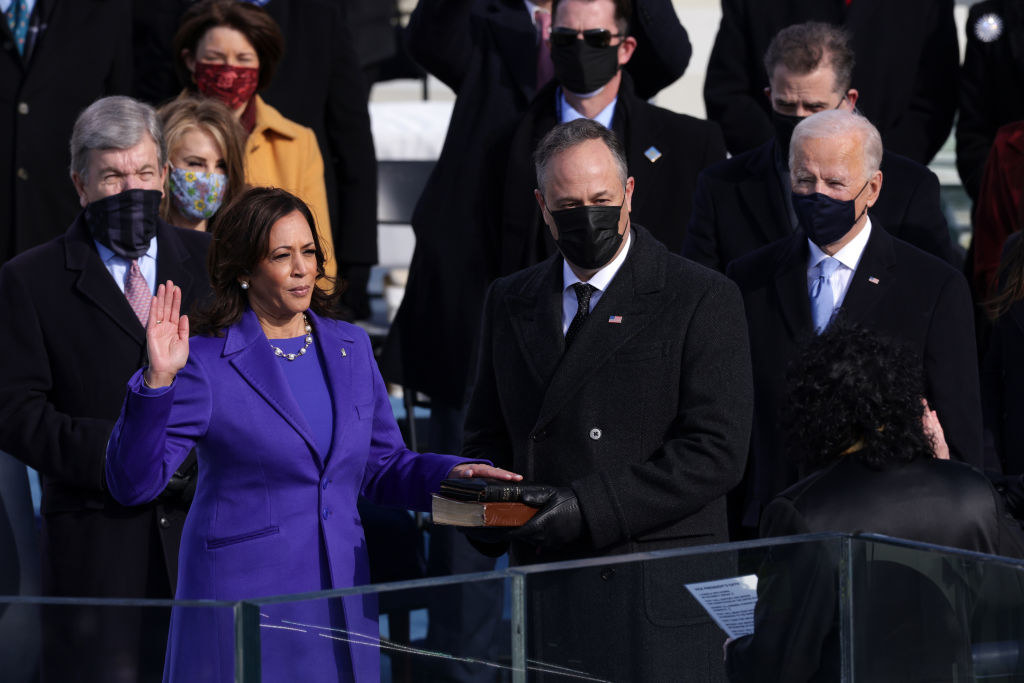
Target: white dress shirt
x=118 y=266
x=848 y=257
x=599 y=282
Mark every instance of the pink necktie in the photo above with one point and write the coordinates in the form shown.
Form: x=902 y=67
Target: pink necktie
x=137 y=291
x=545 y=69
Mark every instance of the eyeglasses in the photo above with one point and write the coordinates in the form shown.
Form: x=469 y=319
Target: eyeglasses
x=563 y=36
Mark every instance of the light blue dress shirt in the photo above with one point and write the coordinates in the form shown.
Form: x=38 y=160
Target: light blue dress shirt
x=4 y=4
x=118 y=266
x=566 y=112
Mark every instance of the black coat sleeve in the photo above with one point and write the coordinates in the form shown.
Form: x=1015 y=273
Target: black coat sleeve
x=701 y=242
x=440 y=35
x=350 y=151
x=923 y=128
x=951 y=371
x=663 y=48
x=924 y=224
x=731 y=89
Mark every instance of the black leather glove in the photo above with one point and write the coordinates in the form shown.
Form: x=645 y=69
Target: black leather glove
x=557 y=523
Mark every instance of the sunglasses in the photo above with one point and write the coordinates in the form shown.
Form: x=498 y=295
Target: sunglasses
x=563 y=36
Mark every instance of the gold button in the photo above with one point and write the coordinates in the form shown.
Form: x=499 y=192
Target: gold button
x=22 y=174
x=22 y=107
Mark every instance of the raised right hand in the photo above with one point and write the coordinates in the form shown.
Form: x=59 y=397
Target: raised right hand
x=166 y=336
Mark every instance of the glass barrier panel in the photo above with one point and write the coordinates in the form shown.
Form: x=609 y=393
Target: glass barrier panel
x=924 y=613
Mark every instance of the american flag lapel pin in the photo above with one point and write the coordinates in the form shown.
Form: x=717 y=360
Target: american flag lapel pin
x=873 y=280
x=615 y=319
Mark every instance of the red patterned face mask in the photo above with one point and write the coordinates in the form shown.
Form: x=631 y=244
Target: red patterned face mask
x=232 y=85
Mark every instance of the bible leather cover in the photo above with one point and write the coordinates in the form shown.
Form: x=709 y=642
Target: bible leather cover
x=453 y=512
x=484 y=490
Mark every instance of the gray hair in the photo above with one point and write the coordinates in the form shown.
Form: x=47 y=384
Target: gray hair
x=838 y=123
x=565 y=136
x=116 y=122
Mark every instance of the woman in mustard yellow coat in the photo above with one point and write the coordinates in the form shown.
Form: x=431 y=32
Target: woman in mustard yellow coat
x=228 y=50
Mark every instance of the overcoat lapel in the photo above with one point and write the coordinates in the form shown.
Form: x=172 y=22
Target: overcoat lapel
x=516 y=39
x=872 y=278
x=338 y=359
x=535 y=313
x=95 y=283
x=791 y=288
x=250 y=355
x=632 y=295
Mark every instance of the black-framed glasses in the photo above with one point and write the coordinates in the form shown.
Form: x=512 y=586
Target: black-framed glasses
x=563 y=36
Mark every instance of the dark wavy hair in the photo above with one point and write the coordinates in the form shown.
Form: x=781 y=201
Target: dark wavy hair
x=853 y=390
x=241 y=239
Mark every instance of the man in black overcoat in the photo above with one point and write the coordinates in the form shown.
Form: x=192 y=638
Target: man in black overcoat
x=907 y=63
x=44 y=85
x=743 y=203
x=71 y=340
x=619 y=375
x=487 y=52
x=875 y=280
x=665 y=150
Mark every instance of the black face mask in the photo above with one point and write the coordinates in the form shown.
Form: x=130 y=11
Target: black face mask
x=784 y=125
x=581 y=68
x=125 y=222
x=825 y=220
x=588 y=236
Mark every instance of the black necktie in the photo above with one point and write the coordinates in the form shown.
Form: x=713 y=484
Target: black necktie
x=583 y=292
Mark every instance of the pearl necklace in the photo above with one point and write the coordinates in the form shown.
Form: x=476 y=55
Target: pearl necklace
x=309 y=340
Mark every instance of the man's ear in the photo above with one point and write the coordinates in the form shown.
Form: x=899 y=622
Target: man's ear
x=79 y=188
x=545 y=214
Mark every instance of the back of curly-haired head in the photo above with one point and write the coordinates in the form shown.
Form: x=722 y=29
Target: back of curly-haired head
x=853 y=391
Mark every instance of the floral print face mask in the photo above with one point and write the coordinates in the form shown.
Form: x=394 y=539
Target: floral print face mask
x=197 y=194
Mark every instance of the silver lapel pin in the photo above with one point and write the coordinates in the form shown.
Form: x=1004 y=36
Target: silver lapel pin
x=343 y=352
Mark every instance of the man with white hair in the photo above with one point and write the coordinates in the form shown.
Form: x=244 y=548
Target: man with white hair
x=72 y=326
x=840 y=262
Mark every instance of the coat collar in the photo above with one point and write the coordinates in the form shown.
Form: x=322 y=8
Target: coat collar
x=867 y=287
x=636 y=294
x=248 y=351
x=96 y=285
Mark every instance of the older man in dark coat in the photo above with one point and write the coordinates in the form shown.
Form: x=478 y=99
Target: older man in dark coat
x=619 y=375
x=844 y=262
x=742 y=204
x=72 y=315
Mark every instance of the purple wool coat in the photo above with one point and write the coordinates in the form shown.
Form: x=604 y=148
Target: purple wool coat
x=272 y=514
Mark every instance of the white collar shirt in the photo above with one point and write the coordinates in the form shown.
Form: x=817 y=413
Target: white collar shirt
x=118 y=266
x=849 y=257
x=601 y=280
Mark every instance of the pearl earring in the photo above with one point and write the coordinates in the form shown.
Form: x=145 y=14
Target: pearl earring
x=245 y=285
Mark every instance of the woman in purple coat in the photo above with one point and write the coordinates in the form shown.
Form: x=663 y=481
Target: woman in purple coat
x=291 y=423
